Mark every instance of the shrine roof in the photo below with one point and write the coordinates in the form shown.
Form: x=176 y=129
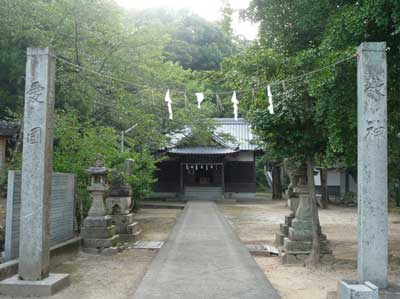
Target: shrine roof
x=202 y=150
x=240 y=131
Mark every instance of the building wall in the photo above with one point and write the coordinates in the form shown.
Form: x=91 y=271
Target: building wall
x=168 y=177
x=336 y=181
x=239 y=173
x=333 y=178
x=215 y=175
x=240 y=177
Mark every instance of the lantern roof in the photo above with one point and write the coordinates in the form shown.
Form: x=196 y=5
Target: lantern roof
x=99 y=168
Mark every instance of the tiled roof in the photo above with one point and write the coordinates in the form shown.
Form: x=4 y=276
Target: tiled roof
x=201 y=150
x=240 y=130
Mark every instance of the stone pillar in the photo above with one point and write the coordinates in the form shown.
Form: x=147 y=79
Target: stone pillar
x=372 y=164
x=2 y=152
x=37 y=154
x=33 y=277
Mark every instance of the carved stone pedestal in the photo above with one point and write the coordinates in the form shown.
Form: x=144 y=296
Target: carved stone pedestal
x=283 y=231
x=122 y=218
x=98 y=233
x=297 y=245
x=296 y=234
x=292 y=199
x=299 y=237
x=127 y=228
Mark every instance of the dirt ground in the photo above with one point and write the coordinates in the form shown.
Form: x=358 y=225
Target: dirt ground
x=256 y=223
x=118 y=276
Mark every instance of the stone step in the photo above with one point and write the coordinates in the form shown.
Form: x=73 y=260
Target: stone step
x=284 y=229
x=123 y=218
x=131 y=232
x=290 y=259
x=213 y=193
x=101 y=243
x=300 y=235
x=288 y=220
x=134 y=228
x=98 y=232
x=101 y=221
x=296 y=246
x=130 y=237
x=303 y=247
x=279 y=239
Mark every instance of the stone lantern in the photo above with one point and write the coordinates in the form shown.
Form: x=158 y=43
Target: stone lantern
x=297 y=189
x=296 y=234
x=98 y=232
x=97 y=188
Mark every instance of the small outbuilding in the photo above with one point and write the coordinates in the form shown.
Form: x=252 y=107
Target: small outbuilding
x=224 y=170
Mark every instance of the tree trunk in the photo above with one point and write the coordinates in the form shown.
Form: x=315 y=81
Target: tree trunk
x=315 y=254
x=324 y=188
x=276 y=182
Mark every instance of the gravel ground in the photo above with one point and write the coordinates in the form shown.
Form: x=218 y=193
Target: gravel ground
x=117 y=276
x=257 y=223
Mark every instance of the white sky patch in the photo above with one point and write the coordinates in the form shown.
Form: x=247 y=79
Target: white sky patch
x=208 y=9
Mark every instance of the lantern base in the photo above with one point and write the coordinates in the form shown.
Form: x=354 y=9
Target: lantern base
x=16 y=287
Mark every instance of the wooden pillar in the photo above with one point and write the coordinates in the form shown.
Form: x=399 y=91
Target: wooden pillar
x=255 y=169
x=181 y=179
x=223 y=177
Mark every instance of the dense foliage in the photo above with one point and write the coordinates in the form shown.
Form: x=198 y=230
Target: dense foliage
x=92 y=109
x=315 y=116
x=195 y=43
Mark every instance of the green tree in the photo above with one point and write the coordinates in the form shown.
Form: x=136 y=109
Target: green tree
x=194 y=43
x=226 y=11
x=315 y=117
x=93 y=109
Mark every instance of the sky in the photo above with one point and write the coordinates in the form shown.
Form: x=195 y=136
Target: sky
x=208 y=9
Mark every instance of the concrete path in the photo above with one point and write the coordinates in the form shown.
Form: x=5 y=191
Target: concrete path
x=203 y=258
